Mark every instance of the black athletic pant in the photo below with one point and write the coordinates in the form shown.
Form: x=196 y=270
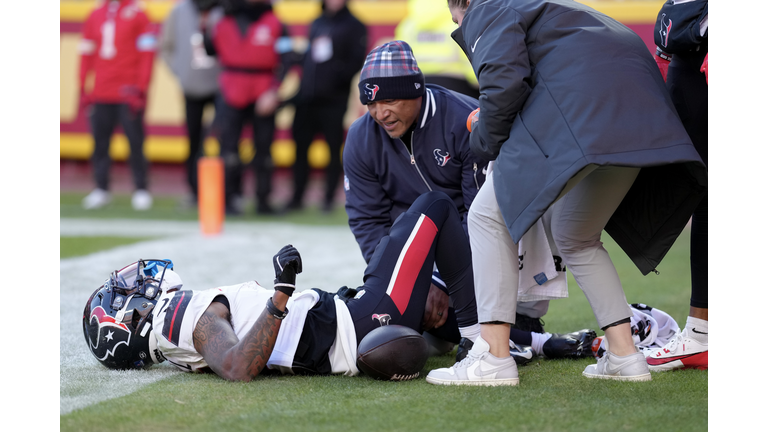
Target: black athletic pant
x=397 y=280
x=230 y=120
x=310 y=118
x=196 y=133
x=688 y=88
x=104 y=118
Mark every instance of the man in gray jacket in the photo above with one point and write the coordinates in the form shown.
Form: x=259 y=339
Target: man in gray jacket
x=181 y=47
x=583 y=135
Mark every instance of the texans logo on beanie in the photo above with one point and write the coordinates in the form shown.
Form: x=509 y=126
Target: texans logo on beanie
x=390 y=72
x=371 y=91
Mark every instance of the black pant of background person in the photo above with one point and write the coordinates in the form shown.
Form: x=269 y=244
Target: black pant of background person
x=326 y=117
x=231 y=120
x=104 y=118
x=196 y=133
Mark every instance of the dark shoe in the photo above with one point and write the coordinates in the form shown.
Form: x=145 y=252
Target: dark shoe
x=264 y=209
x=522 y=354
x=233 y=205
x=291 y=207
x=526 y=323
x=464 y=346
x=232 y=211
x=572 y=345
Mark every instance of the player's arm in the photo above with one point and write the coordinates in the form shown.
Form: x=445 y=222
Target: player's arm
x=504 y=77
x=167 y=42
x=146 y=44
x=228 y=357
x=87 y=49
x=243 y=359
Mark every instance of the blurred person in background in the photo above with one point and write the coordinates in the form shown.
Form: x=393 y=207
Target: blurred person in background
x=181 y=47
x=249 y=42
x=117 y=48
x=427 y=28
x=337 y=48
x=681 y=36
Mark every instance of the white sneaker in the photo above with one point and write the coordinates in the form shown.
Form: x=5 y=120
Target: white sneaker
x=98 y=198
x=681 y=352
x=478 y=368
x=141 y=200
x=627 y=368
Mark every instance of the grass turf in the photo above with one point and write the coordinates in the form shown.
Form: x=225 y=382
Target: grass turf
x=169 y=208
x=552 y=395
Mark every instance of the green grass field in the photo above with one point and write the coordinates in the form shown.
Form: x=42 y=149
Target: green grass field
x=552 y=395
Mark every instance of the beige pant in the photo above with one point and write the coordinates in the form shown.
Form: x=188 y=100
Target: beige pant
x=575 y=222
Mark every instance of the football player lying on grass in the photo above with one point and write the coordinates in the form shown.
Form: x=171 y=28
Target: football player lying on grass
x=141 y=316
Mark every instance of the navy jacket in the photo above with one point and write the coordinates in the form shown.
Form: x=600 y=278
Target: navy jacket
x=382 y=178
x=563 y=86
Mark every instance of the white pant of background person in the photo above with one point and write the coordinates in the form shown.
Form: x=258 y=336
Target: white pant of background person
x=575 y=222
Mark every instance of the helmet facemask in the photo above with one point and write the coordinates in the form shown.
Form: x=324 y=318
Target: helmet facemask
x=117 y=321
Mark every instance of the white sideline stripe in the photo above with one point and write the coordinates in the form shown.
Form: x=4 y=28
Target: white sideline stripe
x=400 y=259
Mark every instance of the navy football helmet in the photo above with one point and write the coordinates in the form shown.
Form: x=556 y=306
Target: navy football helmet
x=117 y=320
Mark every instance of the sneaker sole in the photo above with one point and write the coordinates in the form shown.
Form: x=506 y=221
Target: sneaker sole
x=643 y=377
x=486 y=383
x=695 y=361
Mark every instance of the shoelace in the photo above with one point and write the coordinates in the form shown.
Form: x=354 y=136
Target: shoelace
x=672 y=344
x=470 y=358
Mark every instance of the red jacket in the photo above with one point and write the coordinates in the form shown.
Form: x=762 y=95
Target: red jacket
x=118 y=45
x=249 y=58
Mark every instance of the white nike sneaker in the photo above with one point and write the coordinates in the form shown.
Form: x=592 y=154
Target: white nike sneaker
x=141 y=200
x=681 y=352
x=98 y=198
x=627 y=368
x=478 y=368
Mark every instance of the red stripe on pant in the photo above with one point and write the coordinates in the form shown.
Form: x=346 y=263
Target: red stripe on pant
x=411 y=262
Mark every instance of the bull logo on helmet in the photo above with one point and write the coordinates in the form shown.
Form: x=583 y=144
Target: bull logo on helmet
x=371 y=91
x=441 y=159
x=108 y=334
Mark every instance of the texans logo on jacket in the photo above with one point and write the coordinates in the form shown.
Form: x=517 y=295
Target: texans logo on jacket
x=384 y=319
x=371 y=91
x=666 y=27
x=441 y=159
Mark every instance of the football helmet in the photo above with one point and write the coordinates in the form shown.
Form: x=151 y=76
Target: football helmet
x=117 y=320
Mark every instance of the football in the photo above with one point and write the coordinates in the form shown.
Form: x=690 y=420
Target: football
x=392 y=353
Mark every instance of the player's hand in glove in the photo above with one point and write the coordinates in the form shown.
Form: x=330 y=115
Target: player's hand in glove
x=472 y=119
x=662 y=61
x=287 y=264
x=705 y=68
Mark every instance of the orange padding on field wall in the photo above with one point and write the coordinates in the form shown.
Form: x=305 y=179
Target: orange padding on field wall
x=210 y=171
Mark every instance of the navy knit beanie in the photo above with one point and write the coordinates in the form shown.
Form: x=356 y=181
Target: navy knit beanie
x=390 y=72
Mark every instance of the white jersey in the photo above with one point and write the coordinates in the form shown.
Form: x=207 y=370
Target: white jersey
x=178 y=312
